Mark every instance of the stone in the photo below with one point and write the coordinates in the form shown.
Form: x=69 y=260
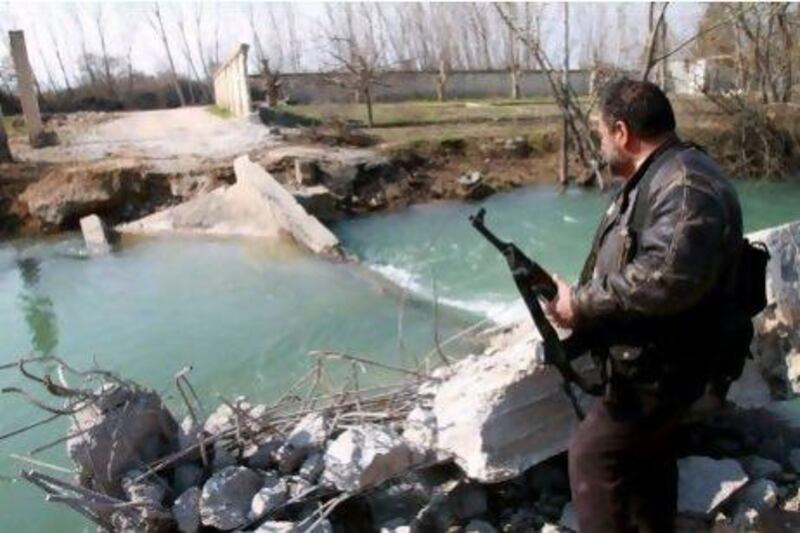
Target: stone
x=777 y=328
x=365 y=456
x=467 y=500
x=272 y=495
x=761 y=494
x=150 y=490
x=705 y=483
x=95 y=235
x=479 y=526
x=320 y=202
x=419 y=431
x=277 y=527
x=569 y=518
x=126 y=428
x=499 y=414
x=312 y=467
x=760 y=468
x=308 y=435
x=261 y=455
x=794 y=459
x=187 y=475
x=470 y=179
x=398 y=526
x=227 y=496
x=186 y=510
x=751 y=390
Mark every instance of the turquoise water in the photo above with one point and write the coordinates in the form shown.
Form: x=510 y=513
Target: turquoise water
x=245 y=314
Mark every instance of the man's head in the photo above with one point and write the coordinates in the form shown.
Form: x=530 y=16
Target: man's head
x=635 y=117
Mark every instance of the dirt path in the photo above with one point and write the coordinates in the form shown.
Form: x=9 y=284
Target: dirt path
x=172 y=139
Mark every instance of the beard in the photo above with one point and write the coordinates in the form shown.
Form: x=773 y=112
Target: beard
x=618 y=164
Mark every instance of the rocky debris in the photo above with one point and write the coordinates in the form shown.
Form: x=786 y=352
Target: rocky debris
x=420 y=433
x=759 y=495
x=125 y=428
x=365 y=456
x=397 y=526
x=569 y=519
x=305 y=172
x=309 y=435
x=474 y=187
x=760 y=468
x=186 y=510
x=319 y=201
x=96 y=235
x=277 y=527
x=705 y=483
x=272 y=495
x=498 y=415
x=479 y=526
x=777 y=342
x=261 y=454
x=227 y=496
x=312 y=467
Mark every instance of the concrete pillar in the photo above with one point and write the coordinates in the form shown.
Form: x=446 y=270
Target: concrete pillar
x=5 y=151
x=27 y=93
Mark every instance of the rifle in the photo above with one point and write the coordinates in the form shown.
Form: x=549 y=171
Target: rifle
x=533 y=282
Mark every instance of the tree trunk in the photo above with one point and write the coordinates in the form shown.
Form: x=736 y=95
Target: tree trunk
x=368 y=101
x=441 y=81
x=173 y=72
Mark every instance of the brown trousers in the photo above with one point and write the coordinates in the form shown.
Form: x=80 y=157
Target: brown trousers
x=623 y=472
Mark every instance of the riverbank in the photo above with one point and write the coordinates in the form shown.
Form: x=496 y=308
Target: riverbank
x=420 y=153
x=475 y=444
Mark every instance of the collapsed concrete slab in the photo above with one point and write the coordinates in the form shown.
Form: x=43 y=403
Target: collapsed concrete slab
x=776 y=347
x=498 y=415
x=365 y=456
x=255 y=206
x=96 y=235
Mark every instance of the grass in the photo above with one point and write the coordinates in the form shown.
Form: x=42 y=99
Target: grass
x=420 y=113
x=220 y=112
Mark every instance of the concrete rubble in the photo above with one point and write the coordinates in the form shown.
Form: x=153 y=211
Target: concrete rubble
x=255 y=206
x=96 y=235
x=477 y=445
x=364 y=457
x=705 y=483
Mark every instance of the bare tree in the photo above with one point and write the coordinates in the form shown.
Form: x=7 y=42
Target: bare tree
x=85 y=55
x=187 y=54
x=577 y=120
x=356 y=52
x=157 y=23
x=98 y=20
x=656 y=26
x=198 y=24
x=60 y=60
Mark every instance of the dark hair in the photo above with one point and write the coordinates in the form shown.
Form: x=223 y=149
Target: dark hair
x=641 y=105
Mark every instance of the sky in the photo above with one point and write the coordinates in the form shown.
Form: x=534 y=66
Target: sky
x=51 y=25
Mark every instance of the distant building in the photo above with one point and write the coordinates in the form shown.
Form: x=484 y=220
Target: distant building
x=693 y=76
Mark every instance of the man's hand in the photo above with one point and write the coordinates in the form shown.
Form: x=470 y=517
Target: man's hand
x=560 y=309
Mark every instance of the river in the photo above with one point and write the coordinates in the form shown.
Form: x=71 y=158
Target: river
x=245 y=314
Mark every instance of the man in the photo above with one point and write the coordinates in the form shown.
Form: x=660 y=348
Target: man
x=651 y=296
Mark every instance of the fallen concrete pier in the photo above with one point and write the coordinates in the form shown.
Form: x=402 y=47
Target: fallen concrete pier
x=255 y=206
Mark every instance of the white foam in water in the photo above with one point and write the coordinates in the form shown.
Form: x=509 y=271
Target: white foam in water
x=498 y=312
x=570 y=219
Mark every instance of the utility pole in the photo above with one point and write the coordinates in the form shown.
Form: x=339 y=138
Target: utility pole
x=563 y=166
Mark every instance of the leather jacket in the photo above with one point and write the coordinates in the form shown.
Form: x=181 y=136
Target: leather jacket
x=655 y=299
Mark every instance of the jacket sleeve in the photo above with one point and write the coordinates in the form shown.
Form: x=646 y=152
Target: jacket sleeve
x=677 y=263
